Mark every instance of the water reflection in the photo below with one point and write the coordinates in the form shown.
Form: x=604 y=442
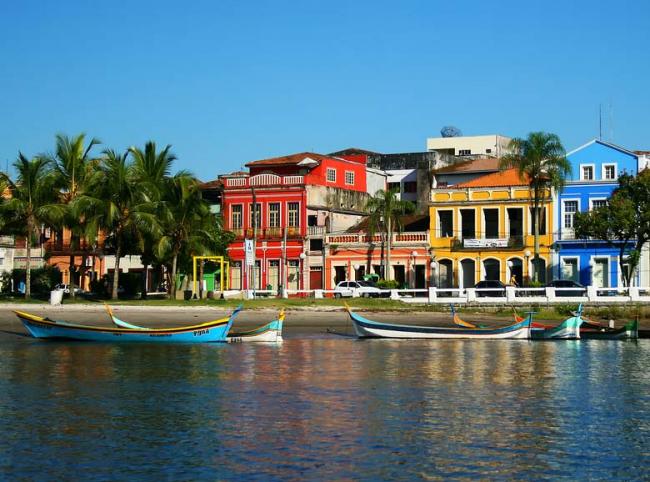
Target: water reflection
x=326 y=408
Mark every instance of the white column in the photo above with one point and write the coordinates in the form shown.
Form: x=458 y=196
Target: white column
x=432 y=294
x=510 y=294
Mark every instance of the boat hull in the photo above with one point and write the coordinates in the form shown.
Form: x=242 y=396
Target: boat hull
x=569 y=329
x=269 y=333
x=365 y=328
x=629 y=332
x=211 y=332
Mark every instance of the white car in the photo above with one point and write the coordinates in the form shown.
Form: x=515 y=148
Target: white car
x=66 y=288
x=355 y=289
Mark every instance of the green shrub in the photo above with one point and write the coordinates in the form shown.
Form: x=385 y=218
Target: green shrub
x=387 y=284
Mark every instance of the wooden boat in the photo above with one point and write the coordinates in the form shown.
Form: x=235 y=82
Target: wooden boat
x=569 y=329
x=595 y=331
x=212 y=331
x=271 y=332
x=365 y=328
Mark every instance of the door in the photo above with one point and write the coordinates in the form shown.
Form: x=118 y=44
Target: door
x=570 y=268
x=274 y=274
x=420 y=277
x=600 y=273
x=315 y=278
x=445 y=274
x=468 y=267
x=293 y=275
x=492 y=269
x=400 y=275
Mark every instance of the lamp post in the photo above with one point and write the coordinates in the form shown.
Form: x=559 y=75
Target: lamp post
x=432 y=279
x=414 y=255
x=302 y=270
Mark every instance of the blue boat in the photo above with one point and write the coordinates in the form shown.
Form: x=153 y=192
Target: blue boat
x=212 y=331
x=569 y=329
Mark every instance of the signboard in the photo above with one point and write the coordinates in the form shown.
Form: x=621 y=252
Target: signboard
x=485 y=243
x=249 y=248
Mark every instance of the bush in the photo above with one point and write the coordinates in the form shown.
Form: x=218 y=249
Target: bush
x=387 y=284
x=43 y=279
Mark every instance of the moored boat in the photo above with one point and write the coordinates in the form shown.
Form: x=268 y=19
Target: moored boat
x=594 y=331
x=270 y=332
x=365 y=328
x=211 y=331
x=569 y=329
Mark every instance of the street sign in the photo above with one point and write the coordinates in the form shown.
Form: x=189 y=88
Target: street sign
x=249 y=248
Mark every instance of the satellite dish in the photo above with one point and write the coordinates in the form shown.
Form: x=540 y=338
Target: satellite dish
x=450 y=131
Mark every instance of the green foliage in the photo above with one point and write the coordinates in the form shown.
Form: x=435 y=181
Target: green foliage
x=43 y=279
x=387 y=284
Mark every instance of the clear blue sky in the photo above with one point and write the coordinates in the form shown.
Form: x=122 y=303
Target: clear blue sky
x=227 y=82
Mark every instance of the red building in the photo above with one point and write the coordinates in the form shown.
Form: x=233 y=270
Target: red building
x=282 y=209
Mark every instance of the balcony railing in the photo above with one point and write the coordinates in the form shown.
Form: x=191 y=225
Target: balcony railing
x=363 y=238
x=316 y=230
x=264 y=180
x=266 y=233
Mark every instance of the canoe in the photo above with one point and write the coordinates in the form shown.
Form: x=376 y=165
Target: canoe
x=212 y=331
x=270 y=332
x=594 y=331
x=365 y=328
x=569 y=329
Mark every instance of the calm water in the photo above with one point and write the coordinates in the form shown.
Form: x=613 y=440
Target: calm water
x=325 y=408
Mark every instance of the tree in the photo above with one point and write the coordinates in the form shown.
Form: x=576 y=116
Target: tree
x=540 y=160
x=119 y=205
x=152 y=170
x=74 y=167
x=624 y=222
x=386 y=211
x=31 y=205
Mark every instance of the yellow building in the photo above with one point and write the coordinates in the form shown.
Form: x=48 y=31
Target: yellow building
x=483 y=229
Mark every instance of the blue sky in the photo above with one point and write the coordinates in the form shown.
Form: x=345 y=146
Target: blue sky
x=227 y=82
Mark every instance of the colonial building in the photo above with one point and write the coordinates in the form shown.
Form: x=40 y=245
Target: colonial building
x=493 y=145
x=595 y=170
x=482 y=229
x=281 y=212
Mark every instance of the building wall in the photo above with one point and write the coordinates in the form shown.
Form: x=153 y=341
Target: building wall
x=492 y=145
x=450 y=249
x=597 y=154
x=376 y=181
x=402 y=177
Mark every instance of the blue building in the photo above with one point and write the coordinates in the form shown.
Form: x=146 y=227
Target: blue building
x=596 y=167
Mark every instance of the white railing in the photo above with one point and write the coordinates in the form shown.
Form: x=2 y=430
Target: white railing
x=488 y=296
x=267 y=179
x=363 y=238
x=315 y=230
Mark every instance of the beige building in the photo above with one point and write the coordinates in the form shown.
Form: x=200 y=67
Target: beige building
x=493 y=145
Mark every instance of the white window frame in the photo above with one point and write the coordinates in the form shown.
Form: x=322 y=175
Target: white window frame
x=593 y=172
x=260 y=212
x=592 y=264
x=562 y=258
x=563 y=212
x=289 y=217
x=241 y=216
x=349 y=173
x=327 y=174
x=268 y=219
x=609 y=164
x=591 y=201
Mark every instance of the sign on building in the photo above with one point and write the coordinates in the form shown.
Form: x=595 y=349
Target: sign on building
x=249 y=248
x=485 y=243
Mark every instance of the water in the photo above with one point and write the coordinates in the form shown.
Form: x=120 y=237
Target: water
x=325 y=408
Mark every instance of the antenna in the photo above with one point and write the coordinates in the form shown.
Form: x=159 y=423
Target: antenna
x=600 y=122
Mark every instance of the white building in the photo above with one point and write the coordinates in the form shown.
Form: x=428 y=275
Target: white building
x=493 y=145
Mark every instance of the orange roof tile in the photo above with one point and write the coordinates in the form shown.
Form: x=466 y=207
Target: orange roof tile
x=508 y=177
x=290 y=160
x=475 y=165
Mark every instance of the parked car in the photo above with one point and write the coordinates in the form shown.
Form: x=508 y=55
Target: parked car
x=498 y=287
x=66 y=288
x=359 y=288
x=567 y=283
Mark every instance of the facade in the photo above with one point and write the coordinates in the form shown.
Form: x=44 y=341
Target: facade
x=596 y=167
x=356 y=253
x=281 y=212
x=493 y=145
x=483 y=230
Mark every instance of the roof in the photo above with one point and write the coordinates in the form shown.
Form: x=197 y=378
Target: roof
x=214 y=184
x=410 y=223
x=608 y=144
x=508 y=177
x=290 y=160
x=352 y=151
x=475 y=165
x=642 y=153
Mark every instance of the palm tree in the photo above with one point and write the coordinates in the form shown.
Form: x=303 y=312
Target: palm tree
x=119 y=205
x=541 y=161
x=183 y=223
x=33 y=203
x=74 y=167
x=386 y=211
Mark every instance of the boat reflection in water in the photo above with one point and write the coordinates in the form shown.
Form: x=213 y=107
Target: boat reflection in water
x=324 y=408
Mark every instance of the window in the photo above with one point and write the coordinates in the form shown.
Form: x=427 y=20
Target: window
x=587 y=173
x=609 y=171
x=570 y=209
x=274 y=215
x=464 y=152
x=542 y=221
x=488 y=151
x=294 y=215
x=349 y=177
x=394 y=186
x=598 y=203
x=446 y=223
x=411 y=186
x=236 y=216
x=491 y=218
x=331 y=175
x=256 y=215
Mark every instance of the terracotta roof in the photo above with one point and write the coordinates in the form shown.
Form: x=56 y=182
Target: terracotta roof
x=290 y=160
x=475 y=165
x=214 y=184
x=509 y=177
x=642 y=153
x=351 y=151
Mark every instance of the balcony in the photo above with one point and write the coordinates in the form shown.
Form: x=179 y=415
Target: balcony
x=7 y=241
x=267 y=233
x=398 y=239
x=316 y=230
x=261 y=180
x=473 y=244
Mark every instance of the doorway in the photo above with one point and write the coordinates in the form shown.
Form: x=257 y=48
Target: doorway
x=492 y=269
x=600 y=275
x=468 y=268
